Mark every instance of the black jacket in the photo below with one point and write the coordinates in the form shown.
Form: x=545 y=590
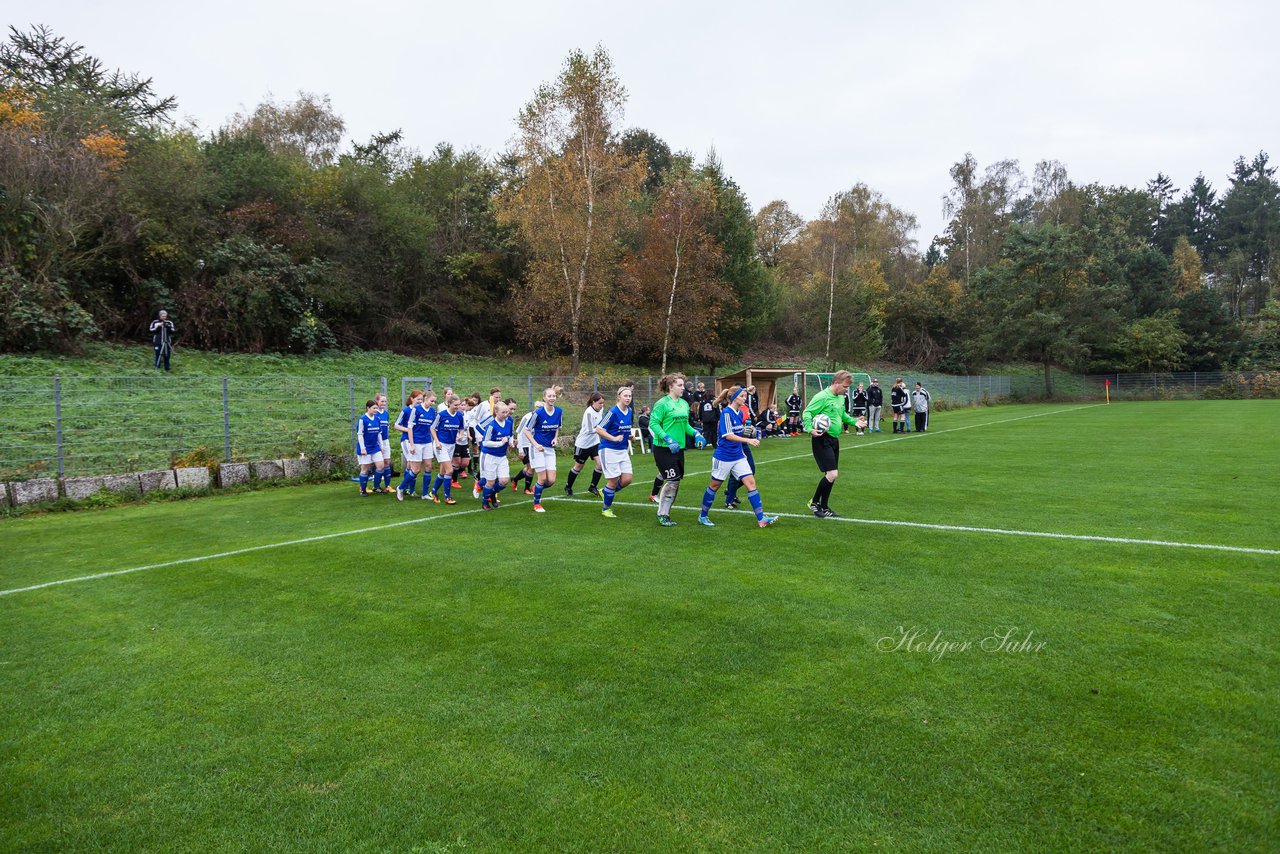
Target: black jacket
x=875 y=397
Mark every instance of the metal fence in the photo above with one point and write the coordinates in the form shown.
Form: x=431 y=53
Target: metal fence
x=1185 y=385
x=75 y=425
x=943 y=389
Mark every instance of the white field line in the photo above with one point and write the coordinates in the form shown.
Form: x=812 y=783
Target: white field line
x=925 y=435
x=961 y=528
x=250 y=549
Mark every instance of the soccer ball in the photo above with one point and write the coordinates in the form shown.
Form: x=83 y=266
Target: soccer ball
x=821 y=423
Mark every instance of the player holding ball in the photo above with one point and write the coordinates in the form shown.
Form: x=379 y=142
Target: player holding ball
x=825 y=418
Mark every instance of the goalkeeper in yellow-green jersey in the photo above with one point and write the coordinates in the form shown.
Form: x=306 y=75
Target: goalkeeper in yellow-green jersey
x=669 y=426
x=826 y=444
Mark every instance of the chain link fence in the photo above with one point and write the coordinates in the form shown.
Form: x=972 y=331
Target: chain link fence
x=1185 y=385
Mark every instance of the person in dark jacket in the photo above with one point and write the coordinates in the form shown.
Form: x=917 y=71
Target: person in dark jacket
x=795 y=405
x=900 y=402
x=162 y=335
x=859 y=400
x=709 y=415
x=875 y=405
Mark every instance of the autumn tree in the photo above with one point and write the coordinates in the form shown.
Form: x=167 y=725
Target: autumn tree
x=570 y=202
x=307 y=128
x=676 y=267
x=777 y=226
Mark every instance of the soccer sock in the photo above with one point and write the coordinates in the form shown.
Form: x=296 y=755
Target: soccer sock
x=825 y=488
x=667 y=497
x=409 y=481
x=486 y=494
x=756 y=504
x=708 y=498
x=595 y=477
x=573 y=475
x=608 y=497
x=657 y=486
x=537 y=494
x=364 y=482
x=448 y=488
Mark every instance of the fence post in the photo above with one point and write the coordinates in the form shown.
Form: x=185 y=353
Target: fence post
x=451 y=384
x=650 y=379
x=1195 y=383
x=226 y=421
x=57 y=418
x=595 y=384
x=351 y=389
x=384 y=386
x=531 y=391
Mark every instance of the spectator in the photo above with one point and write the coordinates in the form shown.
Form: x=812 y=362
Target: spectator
x=875 y=405
x=920 y=403
x=859 y=400
x=643 y=423
x=162 y=335
x=710 y=419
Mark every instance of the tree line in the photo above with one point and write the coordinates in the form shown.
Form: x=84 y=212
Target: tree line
x=587 y=238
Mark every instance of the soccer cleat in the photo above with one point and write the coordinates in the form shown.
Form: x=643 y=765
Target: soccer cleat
x=538 y=508
x=703 y=520
x=666 y=521
x=528 y=492
x=594 y=491
x=475 y=491
x=434 y=497
x=813 y=507
x=364 y=493
x=399 y=494
x=455 y=485
x=828 y=513
x=653 y=498
x=450 y=501
x=766 y=521
x=733 y=505
x=608 y=513
x=495 y=501
x=568 y=492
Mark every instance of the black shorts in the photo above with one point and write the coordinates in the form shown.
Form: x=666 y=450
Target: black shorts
x=581 y=455
x=826 y=452
x=524 y=456
x=670 y=465
x=461 y=452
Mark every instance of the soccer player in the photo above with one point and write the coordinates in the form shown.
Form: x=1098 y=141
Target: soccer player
x=420 y=448
x=669 y=426
x=462 y=448
x=898 y=400
x=859 y=408
x=369 y=445
x=731 y=500
x=448 y=426
x=794 y=405
x=389 y=471
x=615 y=458
x=406 y=452
x=730 y=461
x=523 y=447
x=826 y=446
x=542 y=432
x=587 y=445
x=495 y=469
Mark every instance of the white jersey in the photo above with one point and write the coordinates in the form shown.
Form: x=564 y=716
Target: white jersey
x=523 y=444
x=469 y=423
x=587 y=435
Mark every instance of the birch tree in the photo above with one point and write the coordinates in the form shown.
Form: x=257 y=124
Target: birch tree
x=571 y=200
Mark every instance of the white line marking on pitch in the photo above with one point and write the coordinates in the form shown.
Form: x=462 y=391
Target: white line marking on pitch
x=961 y=528
x=247 y=550
x=926 y=434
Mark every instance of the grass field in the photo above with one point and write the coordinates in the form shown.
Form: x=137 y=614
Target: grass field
x=301 y=669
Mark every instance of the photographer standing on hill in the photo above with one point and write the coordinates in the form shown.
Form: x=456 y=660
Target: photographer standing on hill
x=162 y=335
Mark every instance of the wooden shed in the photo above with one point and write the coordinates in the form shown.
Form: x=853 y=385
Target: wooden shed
x=773 y=385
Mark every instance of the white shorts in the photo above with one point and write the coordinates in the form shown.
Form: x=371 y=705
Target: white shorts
x=494 y=469
x=416 y=454
x=386 y=449
x=615 y=463
x=374 y=459
x=544 y=460
x=444 y=453
x=722 y=469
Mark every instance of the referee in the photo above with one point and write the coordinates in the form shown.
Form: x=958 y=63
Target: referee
x=826 y=446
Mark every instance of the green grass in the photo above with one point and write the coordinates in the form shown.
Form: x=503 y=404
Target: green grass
x=512 y=681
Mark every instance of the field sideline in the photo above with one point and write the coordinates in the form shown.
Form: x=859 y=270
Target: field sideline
x=1041 y=627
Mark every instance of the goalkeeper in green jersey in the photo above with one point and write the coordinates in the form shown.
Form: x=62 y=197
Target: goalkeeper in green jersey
x=669 y=426
x=826 y=444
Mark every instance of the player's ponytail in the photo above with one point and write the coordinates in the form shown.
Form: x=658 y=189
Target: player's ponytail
x=665 y=384
x=416 y=392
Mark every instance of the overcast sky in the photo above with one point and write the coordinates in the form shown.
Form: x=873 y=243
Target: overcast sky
x=800 y=100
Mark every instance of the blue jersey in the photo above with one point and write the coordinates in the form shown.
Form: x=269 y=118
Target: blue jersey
x=493 y=431
x=449 y=425
x=616 y=423
x=369 y=435
x=420 y=423
x=403 y=421
x=384 y=423
x=546 y=425
x=730 y=423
